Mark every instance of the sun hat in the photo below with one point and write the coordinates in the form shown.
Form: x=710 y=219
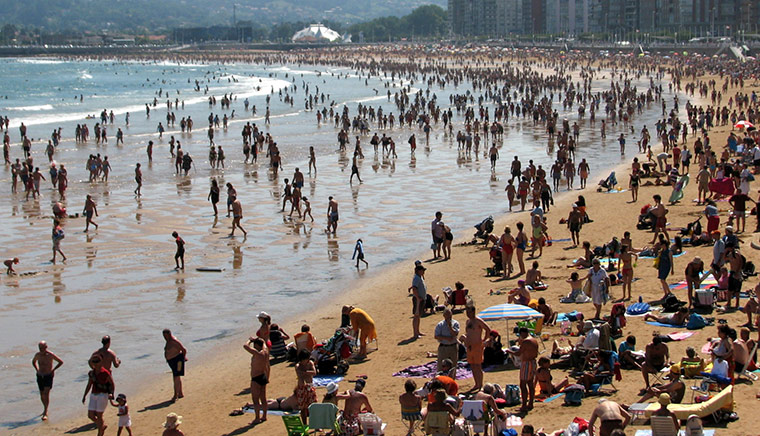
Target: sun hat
x=263 y=315
x=332 y=387
x=172 y=420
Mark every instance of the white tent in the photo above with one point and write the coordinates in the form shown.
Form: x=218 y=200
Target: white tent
x=316 y=33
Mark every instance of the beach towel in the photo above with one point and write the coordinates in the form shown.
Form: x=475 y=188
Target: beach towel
x=680 y=336
x=724 y=186
x=677 y=193
x=430 y=369
x=652 y=257
x=271 y=411
x=616 y=191
x=569 y=316
x=648 y=432
x=324 y=380
x=708 y=282
x=662 y=324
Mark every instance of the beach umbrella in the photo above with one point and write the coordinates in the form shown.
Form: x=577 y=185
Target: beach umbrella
x=743 y=124
x=516 y=312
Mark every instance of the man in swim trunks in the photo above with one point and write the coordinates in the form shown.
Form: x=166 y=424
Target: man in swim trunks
x=656 y=355
x=438 y=234
x=661 y=220
x=259 y=376
x=356 y=402
x=90 y=209
x=175 y=355
x=43 y=365
x=611 y=415
x=332 y=215
x=527 y=353
x=476 y=333
x=237 y=215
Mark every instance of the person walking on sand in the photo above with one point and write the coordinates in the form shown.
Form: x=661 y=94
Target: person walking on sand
x=600 y=285
x=259 y=377
x=476 y=333
x=100 y=385
x=359 y=253
x=176 y=356
x=90 y=208
x=355 y=169
x=237 y=215
x=332 y=215
x=58 y=236
x=180 y=253
x=574 y=223
x=138 y=179
x=419 y=296
x=43 y=365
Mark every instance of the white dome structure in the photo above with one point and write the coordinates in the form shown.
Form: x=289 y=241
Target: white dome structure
x=316 y=33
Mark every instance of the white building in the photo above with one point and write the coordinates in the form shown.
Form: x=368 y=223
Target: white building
x=316 y=33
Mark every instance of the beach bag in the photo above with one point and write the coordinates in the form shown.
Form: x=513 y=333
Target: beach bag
x=508 y=432
x=512 y=395
x=705 y=297
x=574 y=395
x=656 y=262
x=696 y=322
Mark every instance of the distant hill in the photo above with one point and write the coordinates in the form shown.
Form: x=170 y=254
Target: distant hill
x=156 y=16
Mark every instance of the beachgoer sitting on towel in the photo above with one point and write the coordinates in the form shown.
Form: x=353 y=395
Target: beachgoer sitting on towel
x=585 y=261
x=493 y=353
x=550 y=316
x=533 y=278
x=677 y=319
x=519 y=295
x=656 y=357
x=544 y=378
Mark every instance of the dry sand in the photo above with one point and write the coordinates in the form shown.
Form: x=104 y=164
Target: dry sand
x=218 y=384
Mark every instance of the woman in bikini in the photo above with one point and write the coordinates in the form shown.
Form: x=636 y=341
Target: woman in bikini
x=264 y=329
x=507 y=244
x=626 y=259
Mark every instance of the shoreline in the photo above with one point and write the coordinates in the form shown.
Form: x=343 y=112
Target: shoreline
x=210 y=384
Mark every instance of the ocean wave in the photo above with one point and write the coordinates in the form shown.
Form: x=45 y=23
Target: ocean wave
x=39 y=107
x=39 y=61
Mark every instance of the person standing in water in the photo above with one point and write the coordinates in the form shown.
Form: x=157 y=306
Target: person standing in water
x=180 y=254
x=237 y=215
x=359 y=253
x=332 y=215
x=213 y=195
x=138 y=179
x=43 y=365
x=57 y=238
x=90 y=208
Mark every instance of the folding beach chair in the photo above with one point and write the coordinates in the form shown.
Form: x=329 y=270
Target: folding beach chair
x=294 y=425
x=324 y=416
x=663 y=426
x=745 y=372
x=437 y=424
x=475 y=415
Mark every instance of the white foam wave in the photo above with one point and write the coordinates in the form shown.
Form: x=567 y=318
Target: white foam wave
x=40 y=107
x=39 y=61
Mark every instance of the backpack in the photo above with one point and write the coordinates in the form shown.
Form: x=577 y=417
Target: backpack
x=696 y=322
x=512 y=395
x=574 y=395
x=672 y=304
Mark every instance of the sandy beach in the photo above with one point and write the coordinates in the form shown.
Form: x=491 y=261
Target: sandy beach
x=218 y=383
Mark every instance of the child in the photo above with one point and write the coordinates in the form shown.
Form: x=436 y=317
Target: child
x=123 y=414
x=180 y=254
x=307 y=208
x=411 y=405
x=9 y=265
x=359 y=253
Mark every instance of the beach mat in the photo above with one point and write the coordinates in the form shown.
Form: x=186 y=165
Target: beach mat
x=708 y=282
x=430 y=370
x=615 y=191
x=270 y=412
x=648 y=432
x=662 y=324
x=324 y=380
x=680 y=336
x=550 y=399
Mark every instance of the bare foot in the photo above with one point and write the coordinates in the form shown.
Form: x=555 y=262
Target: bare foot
x=44 y=417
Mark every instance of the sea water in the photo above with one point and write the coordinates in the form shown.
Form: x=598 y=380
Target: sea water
x=120 y=279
